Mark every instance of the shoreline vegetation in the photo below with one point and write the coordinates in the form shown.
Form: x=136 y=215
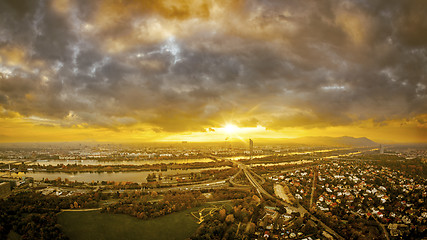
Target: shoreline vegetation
x=116 y=168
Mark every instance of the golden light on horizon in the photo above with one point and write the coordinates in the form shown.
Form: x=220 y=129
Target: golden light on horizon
x=232 y=131
x=231 y=128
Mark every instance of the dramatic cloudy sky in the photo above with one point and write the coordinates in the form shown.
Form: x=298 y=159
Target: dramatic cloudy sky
x=166 y=69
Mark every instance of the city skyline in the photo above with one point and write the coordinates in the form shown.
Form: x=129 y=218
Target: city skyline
x=141 y=71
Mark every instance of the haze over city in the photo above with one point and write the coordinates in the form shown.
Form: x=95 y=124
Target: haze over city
x=141 y=71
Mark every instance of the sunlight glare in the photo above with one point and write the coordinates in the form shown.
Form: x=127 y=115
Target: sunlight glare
x=231 y=128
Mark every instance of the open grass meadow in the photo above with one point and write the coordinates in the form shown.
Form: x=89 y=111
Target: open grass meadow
x=96 y=225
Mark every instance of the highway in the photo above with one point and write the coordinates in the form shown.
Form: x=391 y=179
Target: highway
x=300 y=209
x=255 y=183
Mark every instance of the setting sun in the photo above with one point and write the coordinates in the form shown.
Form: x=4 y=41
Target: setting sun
x=231 y=128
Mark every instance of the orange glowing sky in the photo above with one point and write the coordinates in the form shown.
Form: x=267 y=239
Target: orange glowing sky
x=136 y=71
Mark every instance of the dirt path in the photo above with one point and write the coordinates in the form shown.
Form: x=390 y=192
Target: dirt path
x=81 y=210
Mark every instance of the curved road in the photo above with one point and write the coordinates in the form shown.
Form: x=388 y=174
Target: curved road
x=299 y=209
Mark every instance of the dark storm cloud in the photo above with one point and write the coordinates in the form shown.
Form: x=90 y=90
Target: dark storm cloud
x=189 y=66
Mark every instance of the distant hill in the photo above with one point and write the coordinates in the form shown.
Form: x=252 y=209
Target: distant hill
x=335 y=141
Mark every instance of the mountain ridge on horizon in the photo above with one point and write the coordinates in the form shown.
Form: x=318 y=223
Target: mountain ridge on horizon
x=343 y=140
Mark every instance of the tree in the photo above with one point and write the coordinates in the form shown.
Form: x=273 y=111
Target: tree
x=229 y=218
x=222 y=214
x=250 y=228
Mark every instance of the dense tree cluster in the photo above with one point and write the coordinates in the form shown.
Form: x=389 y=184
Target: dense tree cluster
x=226 y=194
x=415 y=166
x=220 y=174
x=263 y=169
x=354 y=226
x=105 y=185
x=241 y=179
x=211 y=174
x=118 y=168
x=141 y=208
x=33 y=215
x=269 y=187
x=138 y=205
x=312 y=155
x=277 y=159
x=230 y=223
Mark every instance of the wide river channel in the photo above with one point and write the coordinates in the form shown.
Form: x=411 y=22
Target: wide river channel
x=137 y=176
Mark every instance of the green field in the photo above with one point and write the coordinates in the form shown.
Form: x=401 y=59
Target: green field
x=96 y=225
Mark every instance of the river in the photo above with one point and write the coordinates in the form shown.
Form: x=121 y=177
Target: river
x=137 y=177
x=119 y=162
x=140 y=177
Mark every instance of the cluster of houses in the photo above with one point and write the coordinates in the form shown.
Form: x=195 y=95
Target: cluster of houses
x=276 y=225
x=391 y=197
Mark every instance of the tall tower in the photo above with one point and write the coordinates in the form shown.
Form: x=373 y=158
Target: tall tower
x=251 y=148
x=381 y=149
